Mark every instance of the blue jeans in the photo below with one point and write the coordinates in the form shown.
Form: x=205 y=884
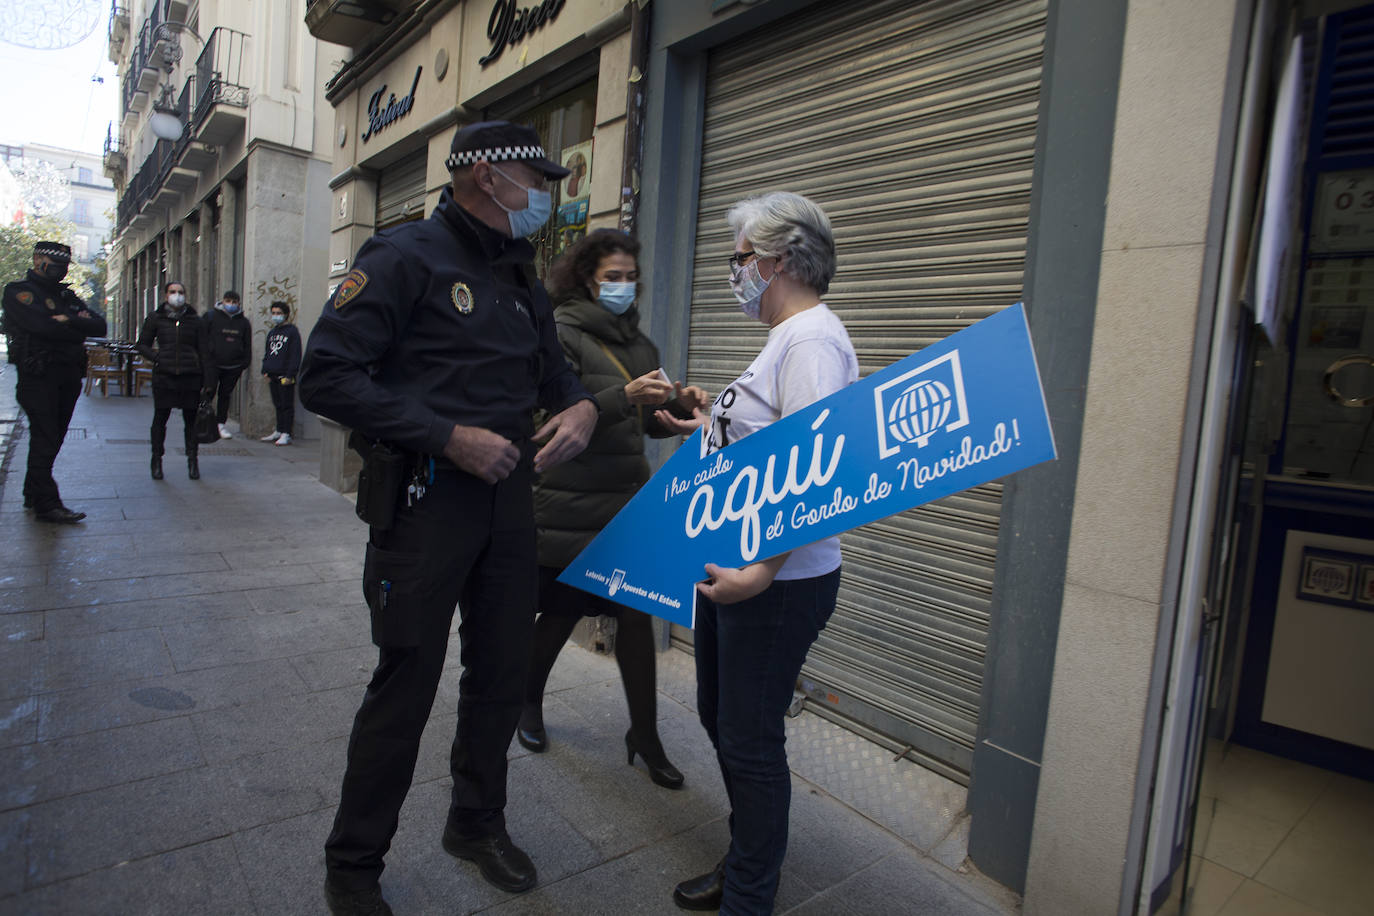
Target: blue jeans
x=748 y=656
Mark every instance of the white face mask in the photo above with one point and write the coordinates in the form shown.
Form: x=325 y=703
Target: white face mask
x=748 y=286
x=177 y=301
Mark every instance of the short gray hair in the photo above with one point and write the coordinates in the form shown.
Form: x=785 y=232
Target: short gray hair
x=783 y=224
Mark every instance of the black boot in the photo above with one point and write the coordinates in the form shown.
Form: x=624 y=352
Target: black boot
x=192 y=467
x=661 y=771
x=551 y=631
x=157 y=467
x=702 y=892
x=530 y=732
x=634 y=654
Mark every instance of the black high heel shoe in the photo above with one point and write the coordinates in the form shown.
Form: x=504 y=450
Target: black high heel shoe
x=530 y=732
x=660 y=770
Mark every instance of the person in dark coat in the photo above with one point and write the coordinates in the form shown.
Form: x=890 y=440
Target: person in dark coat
x=177 y=342
x=281 y=362
x=595 y=287
x=47 y=325
x=231 y=345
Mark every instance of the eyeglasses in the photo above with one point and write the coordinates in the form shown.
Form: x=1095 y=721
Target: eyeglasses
x=740 y=258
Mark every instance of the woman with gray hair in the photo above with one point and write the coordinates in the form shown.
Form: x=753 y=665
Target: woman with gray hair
x=755 y=624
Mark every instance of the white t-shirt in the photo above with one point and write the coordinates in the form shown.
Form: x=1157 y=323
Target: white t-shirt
x=807 y=357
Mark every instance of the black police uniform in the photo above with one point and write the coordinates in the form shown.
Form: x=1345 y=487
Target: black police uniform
x=51 y=358
x=441 y=322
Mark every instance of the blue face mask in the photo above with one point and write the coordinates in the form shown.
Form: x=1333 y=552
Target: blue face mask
x=538 y=208
x=233 y=308
x=617 y=297
x=278 y=318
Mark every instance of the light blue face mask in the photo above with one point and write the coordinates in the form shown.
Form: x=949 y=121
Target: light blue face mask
x=538 y=208
x=232 y=308
x=617 y=297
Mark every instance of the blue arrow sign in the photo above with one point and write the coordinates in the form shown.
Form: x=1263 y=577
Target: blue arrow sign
x=957 y=414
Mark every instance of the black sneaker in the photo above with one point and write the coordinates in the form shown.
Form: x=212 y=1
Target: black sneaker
x=60 y=516
x=367 y=902
x=501 y=862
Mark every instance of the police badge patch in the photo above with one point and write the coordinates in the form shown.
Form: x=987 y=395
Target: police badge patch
x=462 y=298
x=25 y=297
x=52 y=306
x=350 y=287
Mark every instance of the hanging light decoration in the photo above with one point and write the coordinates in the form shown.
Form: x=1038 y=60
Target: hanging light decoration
x=49 y=25
x=46 y=190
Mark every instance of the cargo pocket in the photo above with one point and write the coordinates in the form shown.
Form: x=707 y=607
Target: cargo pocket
x=394 y=585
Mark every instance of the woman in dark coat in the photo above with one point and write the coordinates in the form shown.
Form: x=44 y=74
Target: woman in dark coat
x=595 y=285
x=177 y=343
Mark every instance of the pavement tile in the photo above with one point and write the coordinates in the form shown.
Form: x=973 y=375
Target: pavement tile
x=18 y=721
x=22 y=576
x=95 y=568
x=212 y=643
x=80 y=661
x=227 y=580
x=21 y=661
x=313 y=553
x=275 y=724
x=204 y=879
x=348 y=667
x=291 y=883
x=116 y=704
x=14 y=828
x=298 y=597
x=21 y=627
x=260 y=789
x=71 y=594
x=80 y=833
x=151 y=612
x=67 y=766
x=899 y=884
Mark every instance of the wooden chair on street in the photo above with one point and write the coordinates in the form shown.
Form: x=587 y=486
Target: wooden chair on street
x=143 y=375
x=103 y=367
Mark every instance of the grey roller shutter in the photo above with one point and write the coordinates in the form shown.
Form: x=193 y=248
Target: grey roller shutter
x=913 y=124
x=401 y=190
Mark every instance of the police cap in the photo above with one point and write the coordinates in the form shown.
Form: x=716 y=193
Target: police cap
x=55 y=250
x=501 y=141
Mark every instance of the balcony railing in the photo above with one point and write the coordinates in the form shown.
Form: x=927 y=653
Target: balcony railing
x=118 y=30
x=113 y=159
x=219 y=75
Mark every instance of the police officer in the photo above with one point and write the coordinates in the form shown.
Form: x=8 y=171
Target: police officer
x=440 y=343
x=47 y=325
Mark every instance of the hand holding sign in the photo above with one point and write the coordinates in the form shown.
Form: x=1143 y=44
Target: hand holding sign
x=959 y=413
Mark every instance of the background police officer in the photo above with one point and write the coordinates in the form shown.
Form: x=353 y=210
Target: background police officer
x=47 y=325
x=441 y=342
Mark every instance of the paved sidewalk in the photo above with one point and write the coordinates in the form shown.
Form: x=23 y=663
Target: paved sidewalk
x=179 y=677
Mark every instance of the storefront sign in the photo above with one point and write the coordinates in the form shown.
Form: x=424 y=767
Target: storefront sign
x=380 y=116
x=509 y=24
x=959 y=413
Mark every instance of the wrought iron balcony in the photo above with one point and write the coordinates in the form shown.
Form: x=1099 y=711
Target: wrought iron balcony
x=118 y=31
x=221 y=95
x=113 y=159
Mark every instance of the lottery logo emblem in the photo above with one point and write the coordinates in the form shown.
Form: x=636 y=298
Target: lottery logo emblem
x=462 y=298
x=918 y=404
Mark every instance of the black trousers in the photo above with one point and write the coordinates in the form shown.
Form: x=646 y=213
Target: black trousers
x=48 y=401
x=284 y=400
x=467 y=544
x=228 y=378
x=165 y=401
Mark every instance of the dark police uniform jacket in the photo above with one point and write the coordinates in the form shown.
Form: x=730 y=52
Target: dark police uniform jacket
x=440 y=322
x=39 y=344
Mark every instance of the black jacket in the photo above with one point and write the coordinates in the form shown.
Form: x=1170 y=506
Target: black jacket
x=178 y=346
x=32 y=310
x=574 y=500
x=231 y=339
x=440 y=322
x=281 y=351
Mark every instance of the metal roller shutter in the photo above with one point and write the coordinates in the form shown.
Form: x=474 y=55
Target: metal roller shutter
x=401 y=190
x=913 y=124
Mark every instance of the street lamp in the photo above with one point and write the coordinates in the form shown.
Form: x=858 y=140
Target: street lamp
x=165 y=122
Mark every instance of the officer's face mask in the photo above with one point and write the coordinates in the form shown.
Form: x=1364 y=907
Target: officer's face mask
x=177 y=301
x=617 y=297
x=54 y=271
x=538 y=208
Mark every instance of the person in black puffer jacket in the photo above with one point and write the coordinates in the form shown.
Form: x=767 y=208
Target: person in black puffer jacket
x=595 y=285
x=231 y=343
x=176 y=341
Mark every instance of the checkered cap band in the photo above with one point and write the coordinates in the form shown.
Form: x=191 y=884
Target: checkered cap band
x=495 y=154
x=54 y=250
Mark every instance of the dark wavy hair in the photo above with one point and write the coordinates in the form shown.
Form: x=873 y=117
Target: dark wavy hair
x=570 y=274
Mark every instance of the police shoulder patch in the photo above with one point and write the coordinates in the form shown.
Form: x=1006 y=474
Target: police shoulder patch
x=25 y=297
x=350 y=287
x=462 y=298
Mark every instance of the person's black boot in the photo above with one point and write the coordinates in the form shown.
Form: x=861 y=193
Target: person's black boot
x=193 y=467
x=368 y=902
x=702 y=892
x=157 y=467
x=530 y=732
x=501 y=862
x=660 y=770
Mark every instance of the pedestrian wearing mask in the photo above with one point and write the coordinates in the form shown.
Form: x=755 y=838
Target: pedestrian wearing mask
x=47 y=325
x=281 y=362
x=595 y=287
x=754 y=625
x=177 y=342
x=231 y=343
